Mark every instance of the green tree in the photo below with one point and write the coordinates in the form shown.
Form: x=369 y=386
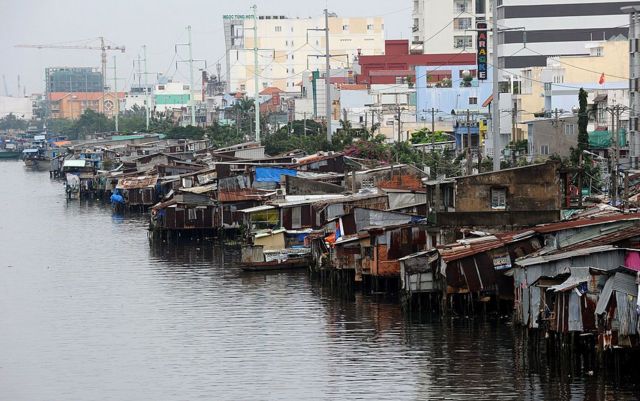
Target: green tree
x=62 y=126
x=188 y=132
x=10 y=121
x=583 y=121
x=92 y=122
x=292 y=136
x=222 y=136
x=424 y=135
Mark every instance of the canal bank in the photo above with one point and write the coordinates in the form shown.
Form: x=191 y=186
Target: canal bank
x=91 y=311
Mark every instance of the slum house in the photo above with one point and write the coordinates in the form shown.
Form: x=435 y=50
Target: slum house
x=342 y=243
x=79 y=178
x=191 y=212
x=475 y=271
x=509 y=198
x=137 y=192
x=399 y=176
x=420 y=288
x=243 y=151
x=322 y=162
x=539 y=279
x=147 y=162
x=407 y=201
x=617 y=310
x=296 y=185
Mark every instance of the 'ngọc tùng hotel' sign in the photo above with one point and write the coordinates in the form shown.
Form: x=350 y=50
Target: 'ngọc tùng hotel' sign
x=482 y=50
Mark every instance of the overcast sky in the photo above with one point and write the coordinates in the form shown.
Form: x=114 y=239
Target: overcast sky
x=157 y=23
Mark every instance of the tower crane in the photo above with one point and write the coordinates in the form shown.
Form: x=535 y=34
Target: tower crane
x=103 y=48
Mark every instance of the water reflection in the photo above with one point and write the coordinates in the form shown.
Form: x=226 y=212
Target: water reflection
x=90 y=309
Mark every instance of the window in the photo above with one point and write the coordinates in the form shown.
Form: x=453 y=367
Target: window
x=460 y=42
x=504 y=87
x=286 y=43
x=185 y=87
x=597 y=51
x=296 y=217
x=462 y=23
x=292 y=43
x=243 y=87
x=345 y=27
x=160 y=87
x=473 y=100
x=278 y=28
x=293 y=70
x=370 y=27
x=544 y=149
x=498 y=198
x=569 y=129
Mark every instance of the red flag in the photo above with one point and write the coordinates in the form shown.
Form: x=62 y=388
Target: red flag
x=601 y=80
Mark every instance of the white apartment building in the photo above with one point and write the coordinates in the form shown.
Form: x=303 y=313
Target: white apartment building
x=445 y=26
x=292 y=47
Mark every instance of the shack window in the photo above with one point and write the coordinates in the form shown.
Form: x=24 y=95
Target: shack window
x=498 y=198
x=191 y=214
x=296 y=217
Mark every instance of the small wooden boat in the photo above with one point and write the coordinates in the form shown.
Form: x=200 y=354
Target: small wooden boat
x=287 y=264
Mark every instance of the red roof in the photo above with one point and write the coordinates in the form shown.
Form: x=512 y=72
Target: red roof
x=271 y=90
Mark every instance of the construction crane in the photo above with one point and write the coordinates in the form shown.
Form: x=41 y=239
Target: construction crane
x=103 y=47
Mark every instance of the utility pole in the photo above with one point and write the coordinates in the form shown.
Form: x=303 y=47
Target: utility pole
x=469 y=153
x=256 y=100
x=146 y=88
x=328 y=74
x=495 y=124
x=191 y=100
x=115 y=90
x=433 y=120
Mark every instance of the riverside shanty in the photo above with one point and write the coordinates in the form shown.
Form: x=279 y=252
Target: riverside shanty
x=518 y=241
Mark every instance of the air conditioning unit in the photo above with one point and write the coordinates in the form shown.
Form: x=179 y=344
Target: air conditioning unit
x=280 y=192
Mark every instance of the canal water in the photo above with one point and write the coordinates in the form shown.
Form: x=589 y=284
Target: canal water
x=89 y=310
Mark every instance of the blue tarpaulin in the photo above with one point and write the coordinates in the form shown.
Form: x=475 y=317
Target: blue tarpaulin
x=270 y=174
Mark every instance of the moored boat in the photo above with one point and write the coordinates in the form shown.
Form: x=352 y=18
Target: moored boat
x=287 y=264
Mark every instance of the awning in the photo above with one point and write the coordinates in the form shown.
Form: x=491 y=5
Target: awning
x=260 y=208
x=600 y=98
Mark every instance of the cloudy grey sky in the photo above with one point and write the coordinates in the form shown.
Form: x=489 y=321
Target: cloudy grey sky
x=157 y=23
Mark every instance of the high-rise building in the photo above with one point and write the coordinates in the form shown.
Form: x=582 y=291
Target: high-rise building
x=447 y=26
x=73 y=79
x=634 y=81
x=292 y=47
x=555 y=28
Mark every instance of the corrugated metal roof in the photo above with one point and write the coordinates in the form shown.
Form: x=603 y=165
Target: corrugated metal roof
x=241 y=195
x=137 y=182
x=74 y=163
x=466 y=248
x=200 y=190
x=260 y=208
x=536 y=260
x=578 y=275
x=620 y=282
x=549 y=228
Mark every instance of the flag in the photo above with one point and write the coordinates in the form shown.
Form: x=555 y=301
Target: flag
x=601 y=80
x=339 y=230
